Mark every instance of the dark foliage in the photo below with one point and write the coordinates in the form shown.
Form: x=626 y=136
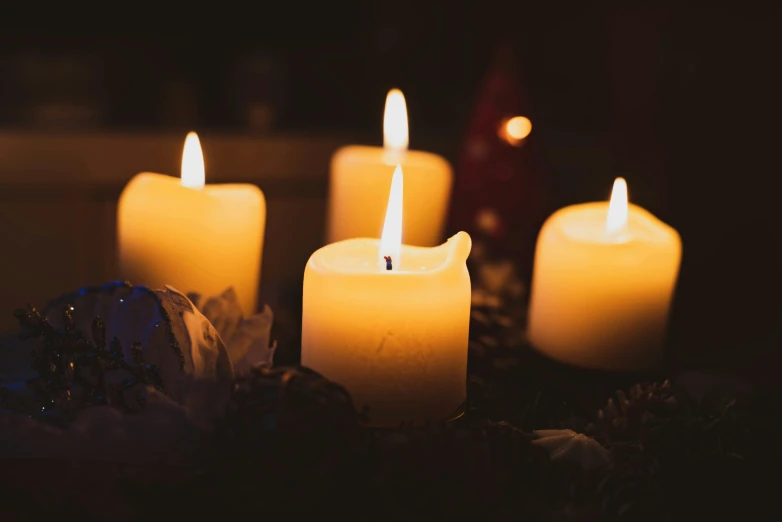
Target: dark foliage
x=290 y=441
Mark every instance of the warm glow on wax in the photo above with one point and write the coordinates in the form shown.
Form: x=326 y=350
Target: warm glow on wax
x=360 y=176
x=616 y=221
x=193 y=172
x=602 y=285
x=395 y=132
x=195 y=237
x=395 y=336
x=391 y=240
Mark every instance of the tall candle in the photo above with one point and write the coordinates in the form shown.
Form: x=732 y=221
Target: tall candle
x=192 y=236
x=602 y=286
x=393 y=331
x=359 y=181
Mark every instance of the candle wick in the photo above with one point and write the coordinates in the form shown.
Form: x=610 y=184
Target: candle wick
x=389 y=266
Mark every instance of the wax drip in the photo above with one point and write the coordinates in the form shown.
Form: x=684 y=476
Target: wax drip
x=389 y=266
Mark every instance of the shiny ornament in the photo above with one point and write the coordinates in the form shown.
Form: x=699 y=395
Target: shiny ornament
x=164 y=324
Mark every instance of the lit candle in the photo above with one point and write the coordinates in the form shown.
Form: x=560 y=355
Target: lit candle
x=390 y=321
x=359 y=185
x=192 y=236
x=602 y=285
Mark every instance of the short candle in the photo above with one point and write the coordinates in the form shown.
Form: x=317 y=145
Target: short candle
x=390 y=322
x=192 y=236
x=602 y=285
x=359 y=181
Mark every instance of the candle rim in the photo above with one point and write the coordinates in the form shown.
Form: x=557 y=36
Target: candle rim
x=457 y=246
x=168 y=178
x=409 y=158
x=652 y=229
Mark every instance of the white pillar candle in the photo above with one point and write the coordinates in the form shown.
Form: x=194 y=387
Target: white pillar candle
x=602 y=285
x=192 y=236
x=396 y=339
x=360 y=177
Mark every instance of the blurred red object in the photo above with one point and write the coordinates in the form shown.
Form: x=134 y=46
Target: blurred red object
x=498 y=195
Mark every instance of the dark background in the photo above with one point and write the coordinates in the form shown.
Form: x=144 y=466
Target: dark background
x=681 y=102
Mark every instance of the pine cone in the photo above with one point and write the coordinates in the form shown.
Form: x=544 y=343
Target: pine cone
x=498 y=315
x=629 y=494
x=288 y=441
x=446 y=471
x=288 y=400
x=633 y=415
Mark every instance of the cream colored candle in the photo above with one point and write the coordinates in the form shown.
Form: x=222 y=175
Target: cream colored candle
x=602 y=285
x=192 y=236
x=359 y=181
x=396 y=339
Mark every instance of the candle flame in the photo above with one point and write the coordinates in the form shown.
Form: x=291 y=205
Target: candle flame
x=617 y=208
x=193 y=173
x=515 y=130
x=391 y=240
x=395 y=132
